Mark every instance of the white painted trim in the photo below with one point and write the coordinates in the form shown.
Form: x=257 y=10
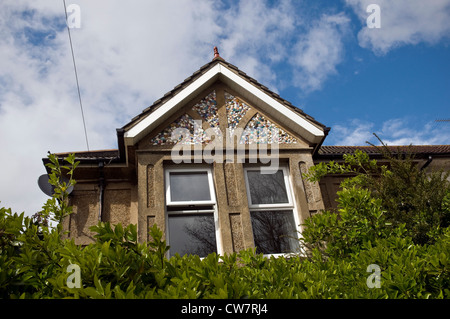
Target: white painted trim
x=135 y=133
x=213 y=202
x=212 y=194
x=272 y=102
x=262 y=207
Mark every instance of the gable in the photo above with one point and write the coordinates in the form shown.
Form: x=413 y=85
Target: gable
x=272 y=108
x=217 y=114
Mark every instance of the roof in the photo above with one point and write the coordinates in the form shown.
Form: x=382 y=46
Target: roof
x=218 y=69
x=327 y=151
x=167 y=96
x=87 y=155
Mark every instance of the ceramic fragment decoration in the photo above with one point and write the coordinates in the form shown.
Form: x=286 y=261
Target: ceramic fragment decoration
x=236 y=110
x=260 y=130
x=195 y=132
x=207 y=109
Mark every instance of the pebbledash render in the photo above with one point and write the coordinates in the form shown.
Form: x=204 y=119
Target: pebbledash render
x=217 y=164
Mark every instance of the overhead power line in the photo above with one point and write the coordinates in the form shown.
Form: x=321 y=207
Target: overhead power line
x=76 y=77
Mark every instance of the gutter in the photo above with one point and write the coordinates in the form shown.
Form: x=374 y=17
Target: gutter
x=317 y=148
x=101 y=189
x=430 y=159
x=121 y=144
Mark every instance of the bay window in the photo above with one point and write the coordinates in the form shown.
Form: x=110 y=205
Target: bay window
x=271 y=204
x=192 y=221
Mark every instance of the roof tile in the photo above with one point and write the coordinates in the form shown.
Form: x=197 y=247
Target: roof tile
x=337 y=150
x=325 y=150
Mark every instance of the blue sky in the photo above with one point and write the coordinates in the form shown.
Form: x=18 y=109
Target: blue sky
x=410 y=85
x=319 y=55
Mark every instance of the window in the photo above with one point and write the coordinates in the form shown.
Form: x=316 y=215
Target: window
x=192 y=187
x=192 y=222
x=274 y=224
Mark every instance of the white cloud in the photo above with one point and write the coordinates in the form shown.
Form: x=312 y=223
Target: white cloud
x=255 y=34
x=127 y=56
x=356 y=132
x=402 y=132
x=319 y=51
x=399 y=131
x=403 y=22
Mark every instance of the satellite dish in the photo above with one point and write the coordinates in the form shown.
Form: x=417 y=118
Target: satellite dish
x=48 y=188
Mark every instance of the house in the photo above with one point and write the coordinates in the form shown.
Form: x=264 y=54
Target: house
x=217 y=164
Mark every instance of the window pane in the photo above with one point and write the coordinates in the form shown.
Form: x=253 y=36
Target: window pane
x=274 y=232
x=192 y=234
x=189 y=186
x=267 y=188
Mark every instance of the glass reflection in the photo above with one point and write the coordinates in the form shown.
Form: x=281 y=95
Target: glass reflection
x=189 y=186
x=274 y=232
x=267 y=188
x=192 y=234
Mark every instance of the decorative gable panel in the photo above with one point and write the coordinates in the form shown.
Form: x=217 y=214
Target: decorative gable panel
x=207 y=112
x=247 y=122
x=260 y=130
x=236 y=110
x=207 y=109
x=170 y=135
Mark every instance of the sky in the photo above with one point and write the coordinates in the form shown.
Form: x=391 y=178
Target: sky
x=325 y=57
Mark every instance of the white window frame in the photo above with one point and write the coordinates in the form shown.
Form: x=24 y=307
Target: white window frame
x=212 y=194
x=252 y=206
x=290 y=205
x=196 y=204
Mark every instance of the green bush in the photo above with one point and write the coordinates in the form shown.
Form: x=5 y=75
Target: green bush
x=361 y=219
x=406 y=194
x=116 y=266
x=35 y=262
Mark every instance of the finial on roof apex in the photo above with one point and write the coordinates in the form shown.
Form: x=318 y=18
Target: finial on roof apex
x=216 y=54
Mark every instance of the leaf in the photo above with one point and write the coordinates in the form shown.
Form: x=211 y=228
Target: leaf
x=105 y=248
x=171 y=269
x=91 y=292
x=98 y=286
